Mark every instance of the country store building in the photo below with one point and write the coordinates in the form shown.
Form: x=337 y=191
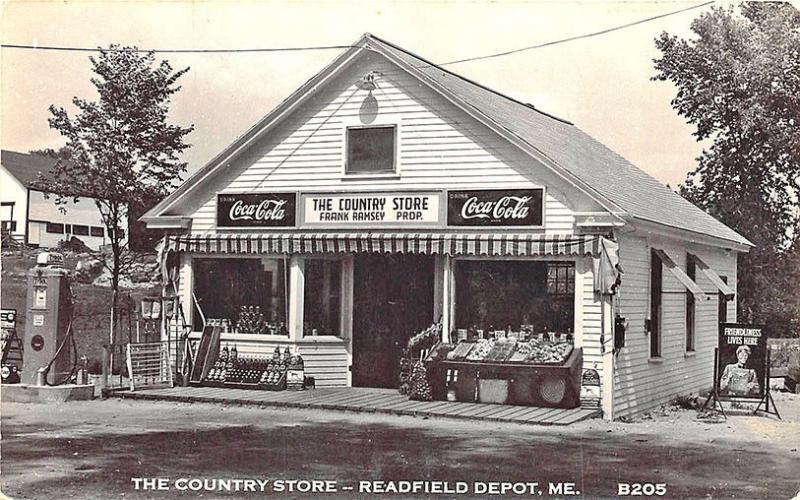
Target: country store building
x=387 y=193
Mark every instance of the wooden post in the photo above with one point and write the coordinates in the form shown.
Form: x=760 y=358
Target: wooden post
x=438 y=287
x=185 y=285
x=607 y=329
x=346 y=315
x=296 y=296
x=583 y=275
x=326 y=291
x=129 y=363
x=448 y=298
x=104 y=373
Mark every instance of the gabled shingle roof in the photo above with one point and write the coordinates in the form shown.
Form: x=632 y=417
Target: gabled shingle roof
x=26 y=167
x=597 y=169
x=610 y=175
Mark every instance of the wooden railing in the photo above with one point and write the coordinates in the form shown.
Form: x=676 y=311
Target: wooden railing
x=11 y=240
x=134 y=365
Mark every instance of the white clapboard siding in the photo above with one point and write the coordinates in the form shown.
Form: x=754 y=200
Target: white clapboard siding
x=591 y=318
x=439 y=146
x=327 y=362
x=640 y=383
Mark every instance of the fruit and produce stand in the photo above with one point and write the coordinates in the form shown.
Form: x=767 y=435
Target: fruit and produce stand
x=535 y=372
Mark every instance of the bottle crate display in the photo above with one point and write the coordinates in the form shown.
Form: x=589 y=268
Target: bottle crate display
x=248 y=372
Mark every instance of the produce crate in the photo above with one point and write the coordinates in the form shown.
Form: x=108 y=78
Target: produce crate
x=501 y=351
x=462 y=350
x=529 y=384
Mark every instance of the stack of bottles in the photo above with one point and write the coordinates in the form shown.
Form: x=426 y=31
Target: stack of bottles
x=251 y=320
x=234 y=370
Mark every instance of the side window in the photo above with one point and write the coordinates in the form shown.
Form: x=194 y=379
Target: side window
x=691 y=271
x=656 y=289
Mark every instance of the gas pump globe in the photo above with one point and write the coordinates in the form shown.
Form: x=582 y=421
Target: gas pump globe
x=47 y=315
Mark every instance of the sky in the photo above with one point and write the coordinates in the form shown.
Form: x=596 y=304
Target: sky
x=602 y=84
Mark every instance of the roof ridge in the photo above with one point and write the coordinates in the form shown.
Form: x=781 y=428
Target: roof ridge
x=468 y=80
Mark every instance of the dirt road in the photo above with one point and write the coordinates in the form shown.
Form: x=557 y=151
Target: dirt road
x=92 y=450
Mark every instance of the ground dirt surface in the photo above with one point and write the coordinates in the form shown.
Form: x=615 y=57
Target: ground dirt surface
x=91 y=450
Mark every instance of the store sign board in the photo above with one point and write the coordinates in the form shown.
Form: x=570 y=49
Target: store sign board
x=496 y=207
x=256 y=210
x=741 y=363
x=364 y=209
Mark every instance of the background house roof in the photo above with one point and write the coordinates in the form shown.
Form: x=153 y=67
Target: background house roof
x=609 y=174
x=26 y=167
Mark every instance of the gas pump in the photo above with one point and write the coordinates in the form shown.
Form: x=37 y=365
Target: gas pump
x=48 y=323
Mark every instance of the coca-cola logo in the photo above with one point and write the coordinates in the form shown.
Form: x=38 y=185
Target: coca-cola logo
x=266 y=210
x=511 y=207
x=248 y=210
x=507 y=207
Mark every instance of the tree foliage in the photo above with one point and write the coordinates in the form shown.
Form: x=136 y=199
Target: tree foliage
x=120 y=149
x=738 y=83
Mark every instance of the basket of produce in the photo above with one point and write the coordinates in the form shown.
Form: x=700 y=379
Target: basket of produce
x=480 y=350
x=461 y=351
x=440 y=352
x=521 y=352
x=425 y=339
x=501 y=351
x=547 y=353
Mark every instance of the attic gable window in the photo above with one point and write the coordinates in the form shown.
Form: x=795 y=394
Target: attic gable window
x=371 y=150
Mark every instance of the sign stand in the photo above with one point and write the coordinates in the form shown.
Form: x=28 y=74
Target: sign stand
x=767 y=394
x=714 y=394
x=716 y=400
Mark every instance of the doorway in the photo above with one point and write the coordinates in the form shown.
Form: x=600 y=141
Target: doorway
x=392 y=300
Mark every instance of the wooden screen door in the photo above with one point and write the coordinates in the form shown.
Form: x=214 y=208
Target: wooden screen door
x=392 y=300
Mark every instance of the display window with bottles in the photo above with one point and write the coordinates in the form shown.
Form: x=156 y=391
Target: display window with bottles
x=322 y=307
x=521 y=297
x=241 y=295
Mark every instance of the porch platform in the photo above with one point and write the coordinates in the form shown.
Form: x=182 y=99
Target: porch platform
x=365 y=400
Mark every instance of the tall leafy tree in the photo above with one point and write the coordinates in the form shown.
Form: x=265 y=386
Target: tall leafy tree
x=738 y=83
x=121 y=150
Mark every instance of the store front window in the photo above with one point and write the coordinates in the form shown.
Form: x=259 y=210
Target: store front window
x=322 y=308
x=241 y=295
x=532 y=296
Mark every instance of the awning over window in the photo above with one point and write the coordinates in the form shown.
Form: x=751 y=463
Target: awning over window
x=680 y=274
x=723 y=287
x=419 y=243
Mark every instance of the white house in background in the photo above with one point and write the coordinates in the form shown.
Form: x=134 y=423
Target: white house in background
x=36 y=220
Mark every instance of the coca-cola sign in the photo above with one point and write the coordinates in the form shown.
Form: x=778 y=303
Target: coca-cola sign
x=256 y=210
x=507 y=207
